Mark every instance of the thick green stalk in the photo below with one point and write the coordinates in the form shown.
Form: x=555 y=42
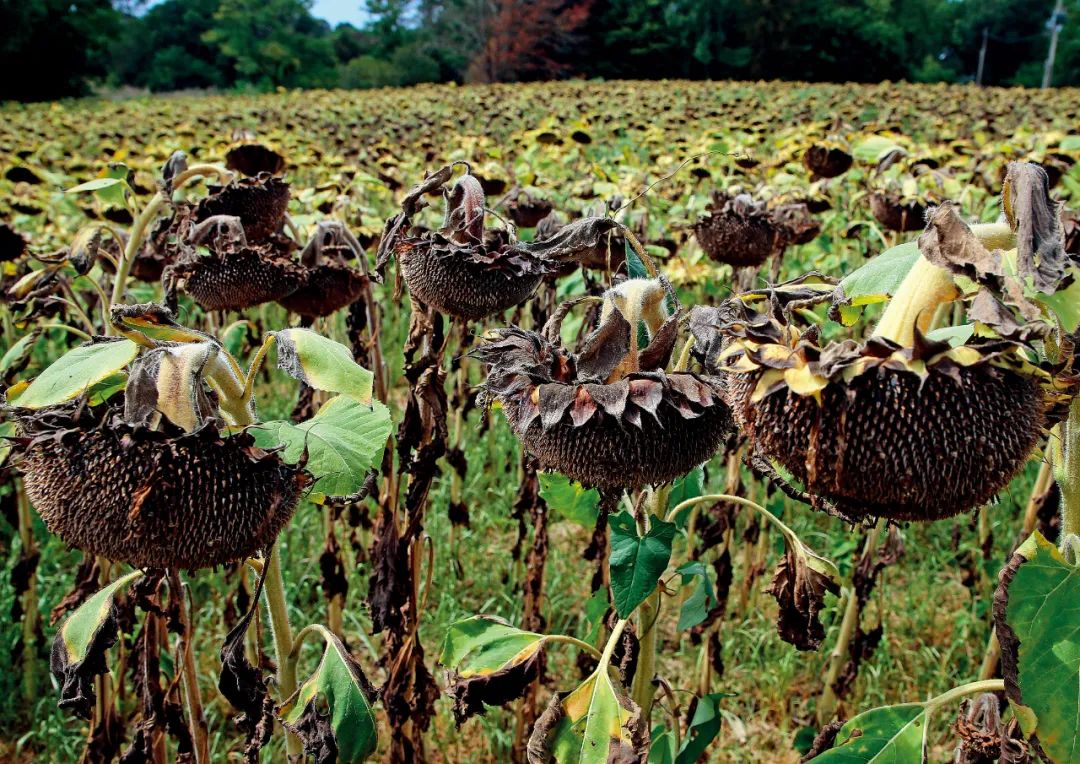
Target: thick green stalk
x=134 y=243
x=274 y=588
x=927 y=286
x=643 y=689
x=1068 y=473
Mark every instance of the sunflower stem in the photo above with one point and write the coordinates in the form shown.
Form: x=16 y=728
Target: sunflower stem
x=274 y=588
x=1068 y=475
x=826 y=708
x=925 y=287
x=643 y=689
x=190 y=677
x=134 y=243
x=147 y=216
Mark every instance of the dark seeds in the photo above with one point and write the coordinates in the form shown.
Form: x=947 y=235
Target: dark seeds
x=155 y=500
x=887 y=445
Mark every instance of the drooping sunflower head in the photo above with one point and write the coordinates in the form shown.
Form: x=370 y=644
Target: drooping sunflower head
x=609 y=415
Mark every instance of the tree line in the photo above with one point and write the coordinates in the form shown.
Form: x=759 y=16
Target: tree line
x=57 y=48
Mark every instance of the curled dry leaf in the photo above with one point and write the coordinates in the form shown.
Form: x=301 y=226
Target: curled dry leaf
x=799 y=586
x=78 y=650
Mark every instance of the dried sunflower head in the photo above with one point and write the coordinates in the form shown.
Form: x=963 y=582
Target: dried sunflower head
x=827 y=161
x=154 y=476
x=457 y=269
x=328 y=282
x=902 y=425
x=153 y=498
x=908 y=433
x=259 y=203
x=222 y=271
x=466 y=271
x=250 y=157
x=738 y=231
x=610 y=415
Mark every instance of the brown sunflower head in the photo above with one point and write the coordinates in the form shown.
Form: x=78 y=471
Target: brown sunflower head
x=738 y=231
x=917 y=432
x=221 y=270
x=153 y=498
x=464 y=270
x=328 y=280
x=259 y=204
x=12 y=244
x=826 y=161
x=609 y=415
x=249 y=157
x=896 y=213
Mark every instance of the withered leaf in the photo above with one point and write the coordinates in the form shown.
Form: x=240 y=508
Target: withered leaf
x=658 y=353
x=78 y=650
x=1034 y=216
x=244 y=685
x=949 y=243
x=605 y=348
x=574 y=241
x=799 y=590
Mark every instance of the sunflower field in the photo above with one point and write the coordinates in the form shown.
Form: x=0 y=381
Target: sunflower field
x=580 y=422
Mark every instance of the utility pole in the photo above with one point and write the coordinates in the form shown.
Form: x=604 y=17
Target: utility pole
x=982 y=56
x=1056 y=22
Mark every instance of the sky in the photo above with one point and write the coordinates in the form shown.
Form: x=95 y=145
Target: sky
x=336 y=11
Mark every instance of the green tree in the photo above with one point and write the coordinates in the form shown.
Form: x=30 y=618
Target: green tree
x=54 y=48
x=164 y=50
x=274 y=42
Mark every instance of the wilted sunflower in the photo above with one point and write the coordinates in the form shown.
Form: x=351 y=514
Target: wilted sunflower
x=259 y=203
x=222 y=271
x=328 y=282
x=158 y=480
x=149 y=497
x=250 y=157
x=825 y=161
x=466 y=271
x=737 y=230
x=609 y=416
x=902 y=426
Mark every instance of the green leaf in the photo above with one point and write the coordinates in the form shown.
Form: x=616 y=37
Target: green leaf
x=322 y=364
x=689 y=486
x=483 y=644
x=873 y=148
x=954 y=335
x=662 y=749
x=116 y=194
x=704 y=728
x=703 y=599
x=887 y=735
x=16 y=352
x=1043 y=611
x=343 y=440
x=76 y=371
x=339 y=682
x=569 y=499
x=637 y=562
x=881 y=276
x=106 y=388
x=594 y=724
x=1065 y=303
x=79 y=629
x=98 y=184
x=595 y=608
x=635 y=268
x=1070 y=143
